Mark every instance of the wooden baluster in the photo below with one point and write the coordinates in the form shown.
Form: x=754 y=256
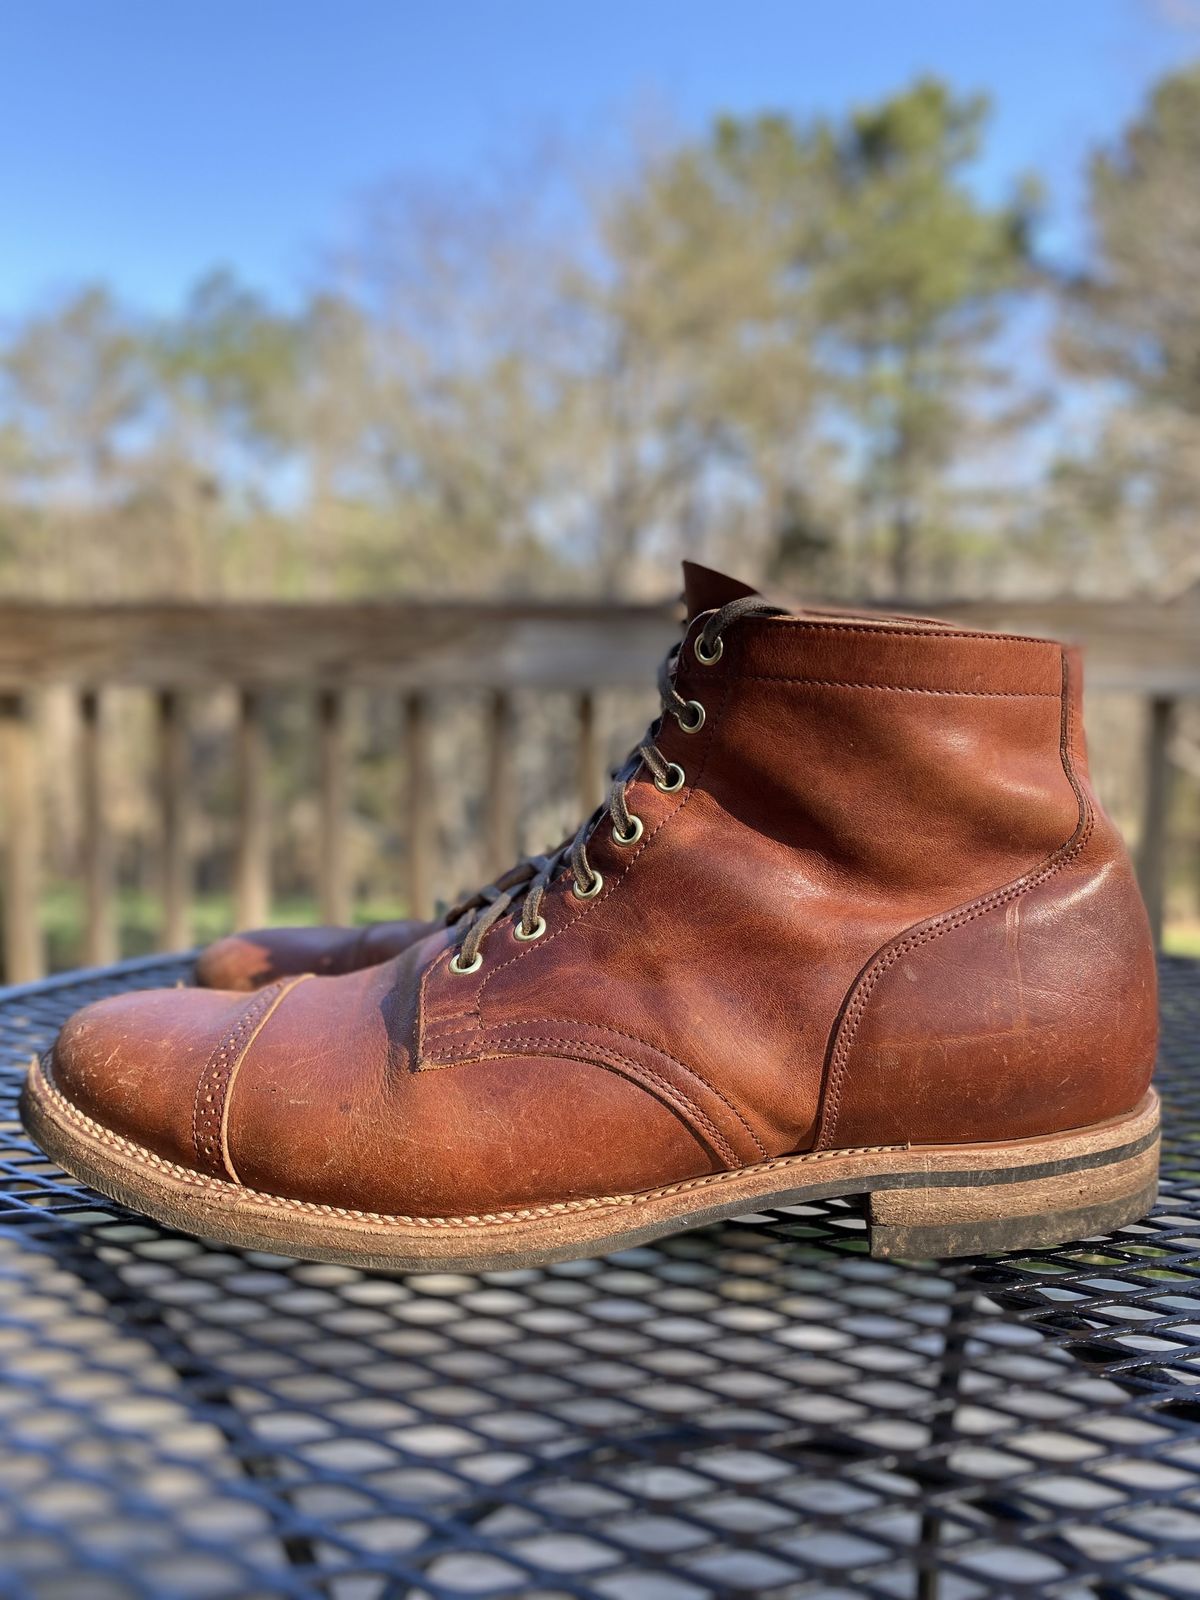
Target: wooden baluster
x=1156 y=811
x=176 y=804
x=252 y=873
x=24 y=945
x=501 y=798
x=589 y=760
x=333 y=879
x=100 y=933
x=419 y=816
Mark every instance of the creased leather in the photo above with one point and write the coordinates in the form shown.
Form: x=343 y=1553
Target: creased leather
x=856 y=782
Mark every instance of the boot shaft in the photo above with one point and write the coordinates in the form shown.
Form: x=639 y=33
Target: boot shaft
x=901 y=760
x=868 y=908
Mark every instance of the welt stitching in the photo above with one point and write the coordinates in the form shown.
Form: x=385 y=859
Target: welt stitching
x=677 y=1097
x=43 y=1081
x=497 y=1036
x=201 y=1181
x=848 y=1028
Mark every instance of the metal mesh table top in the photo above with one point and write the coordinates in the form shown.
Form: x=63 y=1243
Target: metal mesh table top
x=754 y=1408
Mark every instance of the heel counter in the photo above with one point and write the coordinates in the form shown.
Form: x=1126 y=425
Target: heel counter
x=1030 y=1011
x=1033 y=1016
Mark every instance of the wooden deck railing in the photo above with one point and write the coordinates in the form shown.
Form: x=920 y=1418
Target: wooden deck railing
x=179 y=652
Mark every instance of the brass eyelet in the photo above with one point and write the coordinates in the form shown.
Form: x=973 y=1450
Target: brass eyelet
x=459 y=970
x=677 y=778
x=697 y=721
x=592 y=890
x=634 y=834
x=535 y=932
x=702 y=656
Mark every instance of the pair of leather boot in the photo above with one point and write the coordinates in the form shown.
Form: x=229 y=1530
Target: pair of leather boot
x=851 y=922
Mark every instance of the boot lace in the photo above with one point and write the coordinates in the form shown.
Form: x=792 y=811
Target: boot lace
x=529 y=879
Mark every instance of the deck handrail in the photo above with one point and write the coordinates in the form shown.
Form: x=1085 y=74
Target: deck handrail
x=179 y=650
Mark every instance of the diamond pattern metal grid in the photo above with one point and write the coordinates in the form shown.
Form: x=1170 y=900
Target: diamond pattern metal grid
x=756 y=1408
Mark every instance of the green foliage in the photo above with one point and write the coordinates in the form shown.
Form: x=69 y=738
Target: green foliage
x=1131 y=322
x=799 y=347
x=788 y=339
x=230 y=358
x=1141 y=305
x=74 y=379
x=911 y=297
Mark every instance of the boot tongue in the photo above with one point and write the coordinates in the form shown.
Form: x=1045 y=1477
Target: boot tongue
x=706 y=589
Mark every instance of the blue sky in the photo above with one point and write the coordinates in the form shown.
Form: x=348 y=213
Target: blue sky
x=143 y=141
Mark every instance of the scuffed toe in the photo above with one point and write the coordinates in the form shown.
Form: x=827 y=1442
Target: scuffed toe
x=134 y=1062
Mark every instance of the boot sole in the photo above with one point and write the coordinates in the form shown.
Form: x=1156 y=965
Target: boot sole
x=925 y=1201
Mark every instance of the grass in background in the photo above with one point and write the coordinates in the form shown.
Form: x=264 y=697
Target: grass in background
x=138 y=918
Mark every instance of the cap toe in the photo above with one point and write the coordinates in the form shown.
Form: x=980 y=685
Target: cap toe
x=133 y=1062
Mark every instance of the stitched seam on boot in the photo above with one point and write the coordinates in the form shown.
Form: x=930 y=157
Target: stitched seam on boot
x=612 y=1061
x=586 y=906
x=848 y=1025
x=502 y=1035
x=212 y=1091
x=900 y=688
x=146 y=1157
x=203 y=1181
x=475 y=1010
x=881 y=631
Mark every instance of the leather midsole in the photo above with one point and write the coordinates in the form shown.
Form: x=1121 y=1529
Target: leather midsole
x=60 y=1123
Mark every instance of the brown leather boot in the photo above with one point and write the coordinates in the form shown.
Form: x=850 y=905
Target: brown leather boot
x=852 y=923
x=250 y=960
